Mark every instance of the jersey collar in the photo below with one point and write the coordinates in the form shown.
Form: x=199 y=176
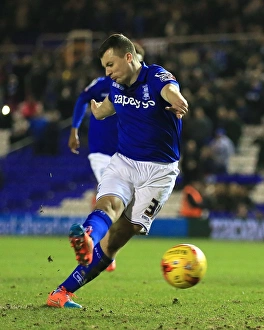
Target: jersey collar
x=142 y=73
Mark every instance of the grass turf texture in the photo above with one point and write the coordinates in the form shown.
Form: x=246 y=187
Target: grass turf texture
x=135 y=296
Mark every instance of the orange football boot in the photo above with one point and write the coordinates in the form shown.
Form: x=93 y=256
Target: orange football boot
x=82 y=243
x=61 y=298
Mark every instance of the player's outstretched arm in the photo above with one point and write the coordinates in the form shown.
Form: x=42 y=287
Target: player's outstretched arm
x=101 y=110
x=179 y=105
x=74 y=142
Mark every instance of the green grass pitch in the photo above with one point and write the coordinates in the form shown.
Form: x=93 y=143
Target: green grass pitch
x=135 y=296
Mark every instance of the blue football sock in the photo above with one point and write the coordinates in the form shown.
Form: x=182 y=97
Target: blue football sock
x=100 y=222
x=82 y=275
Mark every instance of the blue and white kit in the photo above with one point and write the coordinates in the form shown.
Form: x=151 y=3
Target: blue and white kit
x=143 y=171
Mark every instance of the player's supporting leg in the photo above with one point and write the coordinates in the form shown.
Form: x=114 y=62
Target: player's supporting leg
x=80 y=276
x=61 y=298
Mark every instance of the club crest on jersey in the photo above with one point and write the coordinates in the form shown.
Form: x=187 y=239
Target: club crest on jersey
x=164 y=76
x=145 y=93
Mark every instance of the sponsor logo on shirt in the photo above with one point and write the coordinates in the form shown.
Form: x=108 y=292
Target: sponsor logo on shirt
x=125 y=100
x=164 y=76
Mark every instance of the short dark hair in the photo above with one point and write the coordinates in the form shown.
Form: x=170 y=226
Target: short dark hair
x=119 y=43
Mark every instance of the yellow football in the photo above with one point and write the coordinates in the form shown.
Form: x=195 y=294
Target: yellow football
x=183 y=265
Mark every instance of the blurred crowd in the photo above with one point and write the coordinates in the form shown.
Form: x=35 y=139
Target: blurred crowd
x=202 y=199
x=21 y=19
x=223 y=80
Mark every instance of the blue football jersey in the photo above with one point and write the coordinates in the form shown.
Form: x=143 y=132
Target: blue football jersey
x=102 y=134
x=146 y=131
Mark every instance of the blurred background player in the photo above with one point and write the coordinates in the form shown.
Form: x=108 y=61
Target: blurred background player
x=102 y=134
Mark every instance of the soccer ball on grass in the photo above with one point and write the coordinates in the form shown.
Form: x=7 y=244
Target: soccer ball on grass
x=183 y=265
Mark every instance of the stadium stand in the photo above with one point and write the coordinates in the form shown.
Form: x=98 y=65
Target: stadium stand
x=34 y=181
x=63 y=185
x=51 y=55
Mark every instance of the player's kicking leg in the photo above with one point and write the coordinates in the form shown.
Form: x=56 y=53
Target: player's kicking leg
x=82 y=243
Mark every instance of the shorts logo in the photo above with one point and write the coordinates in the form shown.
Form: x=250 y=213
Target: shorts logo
x=144 y=217
x=164 y=76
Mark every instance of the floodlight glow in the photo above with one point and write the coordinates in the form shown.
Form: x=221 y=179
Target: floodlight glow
x=5 y=110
